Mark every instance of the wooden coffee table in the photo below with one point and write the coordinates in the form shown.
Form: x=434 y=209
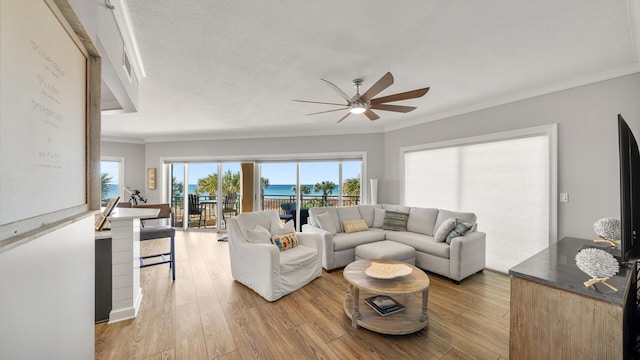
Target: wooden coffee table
x=403 y=289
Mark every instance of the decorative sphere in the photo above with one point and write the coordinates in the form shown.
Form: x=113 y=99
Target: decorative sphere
x=608 y=228
x=597 y=263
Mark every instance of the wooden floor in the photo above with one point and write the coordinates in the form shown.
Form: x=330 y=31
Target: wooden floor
x=205 y=314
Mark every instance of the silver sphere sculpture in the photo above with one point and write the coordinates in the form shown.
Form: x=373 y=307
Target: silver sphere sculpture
x=608 y=229
x=598 y=264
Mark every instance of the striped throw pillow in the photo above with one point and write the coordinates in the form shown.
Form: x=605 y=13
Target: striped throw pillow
x=395 y=220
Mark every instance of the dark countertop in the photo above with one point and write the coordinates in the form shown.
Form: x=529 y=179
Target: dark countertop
x=556 y=266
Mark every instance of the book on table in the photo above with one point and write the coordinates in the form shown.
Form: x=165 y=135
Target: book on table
x=384 y=305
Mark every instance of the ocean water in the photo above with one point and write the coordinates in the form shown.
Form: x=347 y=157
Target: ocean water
x=276 y=190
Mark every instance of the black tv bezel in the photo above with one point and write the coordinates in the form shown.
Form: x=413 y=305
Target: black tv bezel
x=629 y=158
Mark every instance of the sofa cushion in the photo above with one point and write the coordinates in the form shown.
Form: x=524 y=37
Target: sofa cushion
x=422 y=220
x=314 y=212
x=325 y=222
x=444 y=230
x=248 y=221
x=351 y=226
x=395 y=220
x=462 y=227
x=366 y=213
x=259 y=235
x=296 y=258
x=278 y=228
x=343 y=241
x=286 y=241
x=420 y=242
x=400 y=208
x=387 y=249
x=347 y=213
x=446 y=214
x=378 y=217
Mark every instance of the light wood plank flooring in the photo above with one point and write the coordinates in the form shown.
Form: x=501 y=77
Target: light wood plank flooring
x=205 y=314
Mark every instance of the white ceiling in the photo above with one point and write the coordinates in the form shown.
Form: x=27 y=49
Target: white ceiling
x=229 y=69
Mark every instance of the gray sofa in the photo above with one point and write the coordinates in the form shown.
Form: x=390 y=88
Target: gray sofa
x=462 y=257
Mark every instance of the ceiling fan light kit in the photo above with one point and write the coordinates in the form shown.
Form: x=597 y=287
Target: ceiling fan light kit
x=363 y=104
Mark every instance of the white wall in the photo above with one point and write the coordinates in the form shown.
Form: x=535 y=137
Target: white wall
x=587 y=145
x=247 y=149
x=47 y=296
x=134 y=167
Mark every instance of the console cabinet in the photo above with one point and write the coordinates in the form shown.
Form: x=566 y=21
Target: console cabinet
x=554 y=316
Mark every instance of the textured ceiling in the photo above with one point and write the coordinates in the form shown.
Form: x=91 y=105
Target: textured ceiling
x=229 y=69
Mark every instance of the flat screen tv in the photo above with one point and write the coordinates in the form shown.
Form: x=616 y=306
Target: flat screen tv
x=629 y=193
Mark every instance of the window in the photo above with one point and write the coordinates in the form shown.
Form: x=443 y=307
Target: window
x=507 y=181
x=111 y=178
x=321 y=183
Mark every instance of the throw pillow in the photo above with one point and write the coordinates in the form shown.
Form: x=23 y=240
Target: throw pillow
x=378 y=217
x=461 y=228
x=395 y=220
x=278 y=228
x=445 y=228
x=354 y=225
x=259 y=235
x=326 y=223
x=284 y=242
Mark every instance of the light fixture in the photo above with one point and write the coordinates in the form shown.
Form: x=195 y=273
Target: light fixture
x=358 y=107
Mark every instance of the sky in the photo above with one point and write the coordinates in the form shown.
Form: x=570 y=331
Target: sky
x=281 y=173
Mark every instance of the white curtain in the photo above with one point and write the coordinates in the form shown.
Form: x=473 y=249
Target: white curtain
x=505 y=183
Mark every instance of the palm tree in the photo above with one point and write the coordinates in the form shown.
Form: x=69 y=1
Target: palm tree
x=327 y=188
x=264 y=184
x=208 y=184
x=105 y=181
x=230 y=182
x=176 y=187
x=304 y=189
x=351 y=188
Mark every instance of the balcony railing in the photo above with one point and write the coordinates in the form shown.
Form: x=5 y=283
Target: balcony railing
x=272 y=202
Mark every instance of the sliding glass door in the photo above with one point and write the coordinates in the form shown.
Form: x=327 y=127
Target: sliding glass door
x=291 y=188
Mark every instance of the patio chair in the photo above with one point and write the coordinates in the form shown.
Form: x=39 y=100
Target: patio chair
x=290 y=210
x=229 y=207
x=196 y=209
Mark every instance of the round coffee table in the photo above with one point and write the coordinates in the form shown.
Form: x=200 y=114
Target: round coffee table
x=403 y=289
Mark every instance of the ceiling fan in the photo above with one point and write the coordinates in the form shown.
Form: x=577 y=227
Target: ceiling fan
x=365 y=103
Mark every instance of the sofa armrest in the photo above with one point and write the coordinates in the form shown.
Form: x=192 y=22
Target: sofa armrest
x=255 y=265
x=310 y=239
x=328 y=261
x=255 y=262
x=467 y=255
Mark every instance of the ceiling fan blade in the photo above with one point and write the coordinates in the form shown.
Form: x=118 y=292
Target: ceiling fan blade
x=320 y=102
x=344 y=117
x=371 y=115
x=396 y=108
x=322 y=112
x=338 y=90
x=400 y=96
x=385 y=81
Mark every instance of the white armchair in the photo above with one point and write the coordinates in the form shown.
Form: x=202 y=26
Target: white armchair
x=262 y=266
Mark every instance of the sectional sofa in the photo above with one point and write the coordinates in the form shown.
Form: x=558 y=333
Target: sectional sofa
x=456 y=258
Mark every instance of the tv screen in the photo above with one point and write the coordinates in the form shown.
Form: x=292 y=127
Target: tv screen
x=629 y=192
